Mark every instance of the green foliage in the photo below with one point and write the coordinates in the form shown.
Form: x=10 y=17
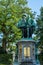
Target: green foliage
x=2 y=51
x=5 y=59
x=40 y=26
x=41 y=58
x=40 y=34
x=10 y=12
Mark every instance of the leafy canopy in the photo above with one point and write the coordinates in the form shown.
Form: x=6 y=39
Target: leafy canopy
x=10 y=12
x=40 y=26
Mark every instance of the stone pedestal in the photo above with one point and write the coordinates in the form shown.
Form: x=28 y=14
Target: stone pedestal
x=26 y=50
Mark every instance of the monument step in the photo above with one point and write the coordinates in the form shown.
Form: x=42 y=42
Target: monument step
x=26 y=64
x=15 y=63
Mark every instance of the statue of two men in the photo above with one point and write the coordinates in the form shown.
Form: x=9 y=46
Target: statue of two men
x=27 y=26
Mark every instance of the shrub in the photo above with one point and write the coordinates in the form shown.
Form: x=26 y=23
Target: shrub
x=2 y=51
x=5 y=59
x=41 y=58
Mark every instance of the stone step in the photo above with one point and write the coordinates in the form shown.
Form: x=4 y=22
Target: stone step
x=26 y=64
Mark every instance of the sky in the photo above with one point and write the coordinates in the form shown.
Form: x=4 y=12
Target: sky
x=35 y=5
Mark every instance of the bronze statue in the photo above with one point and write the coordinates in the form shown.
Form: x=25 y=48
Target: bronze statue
x=22 y=26
x=31 y=25
x=27 y=26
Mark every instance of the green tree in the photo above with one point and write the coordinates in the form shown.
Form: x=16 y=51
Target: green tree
x=40 y=34
x=40 y=27
x=10 y=12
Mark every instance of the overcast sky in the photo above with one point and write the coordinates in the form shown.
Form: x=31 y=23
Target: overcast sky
x=35 y=5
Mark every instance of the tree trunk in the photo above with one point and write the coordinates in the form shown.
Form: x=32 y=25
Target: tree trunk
x=4 y=44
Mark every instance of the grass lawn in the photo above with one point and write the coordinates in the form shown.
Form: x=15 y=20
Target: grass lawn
x=5 y=59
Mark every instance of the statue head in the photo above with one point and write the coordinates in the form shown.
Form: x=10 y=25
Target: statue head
x=24 y=16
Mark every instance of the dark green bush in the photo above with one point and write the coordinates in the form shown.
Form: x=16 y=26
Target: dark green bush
x=2 y=51
x=5 y=59
x=41 y=58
